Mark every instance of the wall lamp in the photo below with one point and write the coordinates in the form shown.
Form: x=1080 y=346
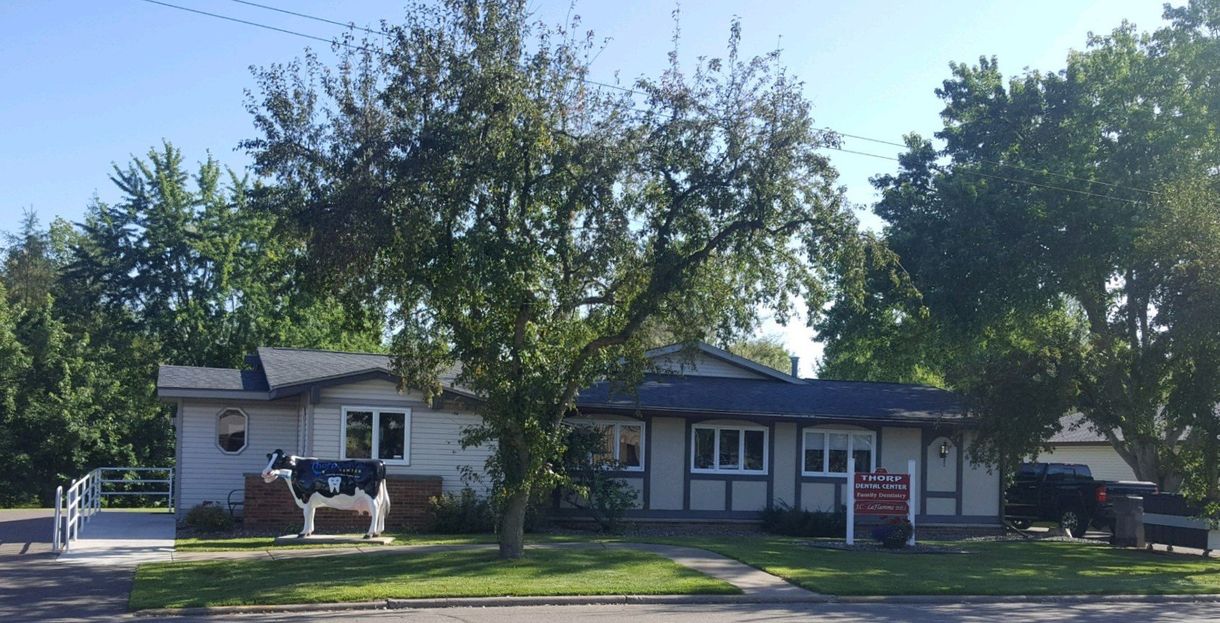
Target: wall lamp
x=944 y=449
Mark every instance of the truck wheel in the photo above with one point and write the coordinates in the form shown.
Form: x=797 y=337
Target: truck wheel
x=1073 y=522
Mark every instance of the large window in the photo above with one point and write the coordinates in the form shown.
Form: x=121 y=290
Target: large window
x=826 y=451
x=623 y=444
x=370 y=433
x=231 y=431
x=729 y=449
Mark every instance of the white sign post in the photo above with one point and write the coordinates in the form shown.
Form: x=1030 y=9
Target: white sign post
x=914 y=500
x=851 y=501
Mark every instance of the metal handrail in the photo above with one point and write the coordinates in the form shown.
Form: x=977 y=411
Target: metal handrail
x=84 y=495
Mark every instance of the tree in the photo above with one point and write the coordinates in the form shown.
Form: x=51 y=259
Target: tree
x=1185 y=240
x=1049 y=187
x=768 y=350
x=527 y=224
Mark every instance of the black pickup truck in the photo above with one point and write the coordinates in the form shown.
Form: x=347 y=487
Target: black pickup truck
x=1065 y=493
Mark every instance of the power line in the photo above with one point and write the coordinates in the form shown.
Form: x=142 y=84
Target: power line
x=312 y=17
x=993 y=176
x=257 y=25
x=634 y=92
x=1010 y=166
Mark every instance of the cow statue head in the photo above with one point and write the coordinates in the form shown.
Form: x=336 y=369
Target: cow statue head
x=276 y=461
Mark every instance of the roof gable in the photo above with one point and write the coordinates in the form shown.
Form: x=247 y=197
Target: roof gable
x=703 y=359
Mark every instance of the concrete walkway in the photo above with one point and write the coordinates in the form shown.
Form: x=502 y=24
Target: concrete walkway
x=752 y=582
x=116 y=538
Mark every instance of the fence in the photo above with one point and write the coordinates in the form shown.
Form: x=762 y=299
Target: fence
x=83 y=497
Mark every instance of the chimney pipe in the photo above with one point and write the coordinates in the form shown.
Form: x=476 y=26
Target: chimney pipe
x=796 y=361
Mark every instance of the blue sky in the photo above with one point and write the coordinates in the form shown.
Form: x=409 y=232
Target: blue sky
x=85 y=84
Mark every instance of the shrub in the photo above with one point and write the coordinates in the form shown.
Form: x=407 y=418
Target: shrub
x=462 y=513
x=592 y=484
x=783 y=519
x=208 y=517
x=894 y=533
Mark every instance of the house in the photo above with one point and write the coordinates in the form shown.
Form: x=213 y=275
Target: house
x=707 y=436
x=1077 y=442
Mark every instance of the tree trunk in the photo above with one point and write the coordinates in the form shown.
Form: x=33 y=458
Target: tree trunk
x=512 y=526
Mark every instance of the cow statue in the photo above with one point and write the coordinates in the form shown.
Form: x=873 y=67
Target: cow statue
x=357 y=485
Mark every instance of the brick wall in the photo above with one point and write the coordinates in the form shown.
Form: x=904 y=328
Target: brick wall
x=270 y=506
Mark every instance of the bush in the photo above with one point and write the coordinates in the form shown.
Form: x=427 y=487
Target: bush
x=893 y=534
x=783 y=519
x=462 y=513
x=208 y=517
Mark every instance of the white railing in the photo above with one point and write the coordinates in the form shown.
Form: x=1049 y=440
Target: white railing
x=83 y=498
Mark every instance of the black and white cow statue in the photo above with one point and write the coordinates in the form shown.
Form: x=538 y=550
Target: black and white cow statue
x=357 y=485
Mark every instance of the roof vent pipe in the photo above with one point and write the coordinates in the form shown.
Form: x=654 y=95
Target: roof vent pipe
x=796 y=364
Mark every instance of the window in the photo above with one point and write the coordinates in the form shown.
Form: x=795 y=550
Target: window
x=729 y=449
x=826 y=452
x=387 y=431
x=624 y=444
x=231 y=431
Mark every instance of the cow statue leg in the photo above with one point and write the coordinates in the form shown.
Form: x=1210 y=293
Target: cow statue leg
x=307 y=529
x=375 y=515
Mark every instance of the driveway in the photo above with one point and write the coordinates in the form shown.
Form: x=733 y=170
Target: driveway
x=36 y=587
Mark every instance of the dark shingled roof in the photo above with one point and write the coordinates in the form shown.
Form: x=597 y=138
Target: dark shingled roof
x=286 y=367
x=222 y=379
x=812 y=398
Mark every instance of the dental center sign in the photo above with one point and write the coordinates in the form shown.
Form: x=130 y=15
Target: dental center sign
x=881 y=493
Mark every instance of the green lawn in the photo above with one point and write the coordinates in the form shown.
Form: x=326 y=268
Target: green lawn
x=225 y=544
x=990 y=568
x=574 y=571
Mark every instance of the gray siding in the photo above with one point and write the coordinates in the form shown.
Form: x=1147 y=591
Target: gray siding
x=205 y=473
x=785 y=463
x=435 y=439
x=1103 y=460
x=702 y=365
x=669 y=463
x=980 y=490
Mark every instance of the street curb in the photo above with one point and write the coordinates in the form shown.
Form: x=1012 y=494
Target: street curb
x=591 y=600
x=1023 y=599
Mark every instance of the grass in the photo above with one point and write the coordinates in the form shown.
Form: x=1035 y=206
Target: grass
x=475 y=573
x=989 y=568
x=228 y=544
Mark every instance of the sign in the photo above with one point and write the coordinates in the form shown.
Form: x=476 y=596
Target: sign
x=881 y=493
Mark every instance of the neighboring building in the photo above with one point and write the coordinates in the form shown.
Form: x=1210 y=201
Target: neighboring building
x=708 y=436
x=1078 y=442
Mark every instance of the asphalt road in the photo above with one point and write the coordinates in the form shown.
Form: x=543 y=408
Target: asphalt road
x=920 y=613
x=34 y=587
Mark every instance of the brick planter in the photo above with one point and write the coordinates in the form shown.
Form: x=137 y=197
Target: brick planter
x=270 y=506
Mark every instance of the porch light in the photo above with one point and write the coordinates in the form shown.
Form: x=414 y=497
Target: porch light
x=944 y=449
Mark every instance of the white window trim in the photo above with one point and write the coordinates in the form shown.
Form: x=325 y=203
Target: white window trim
x=377 y=411
x=741 y=450
x=826 y=449
x=245 y=438
x=614 y=425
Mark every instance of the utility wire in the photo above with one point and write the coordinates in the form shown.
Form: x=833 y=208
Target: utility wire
x=257 y=25
x=993 y=176
x=634 y=92
x=1011 y=166
x=312 y=17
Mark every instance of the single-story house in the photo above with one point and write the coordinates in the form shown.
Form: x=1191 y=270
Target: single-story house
x=707 y=436
x=1077 y=442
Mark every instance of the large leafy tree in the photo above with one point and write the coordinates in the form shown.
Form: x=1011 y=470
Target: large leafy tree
x=527 y=224
x=1037 y=206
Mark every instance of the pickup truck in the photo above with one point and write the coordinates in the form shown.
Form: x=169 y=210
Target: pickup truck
x=1065 y=493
